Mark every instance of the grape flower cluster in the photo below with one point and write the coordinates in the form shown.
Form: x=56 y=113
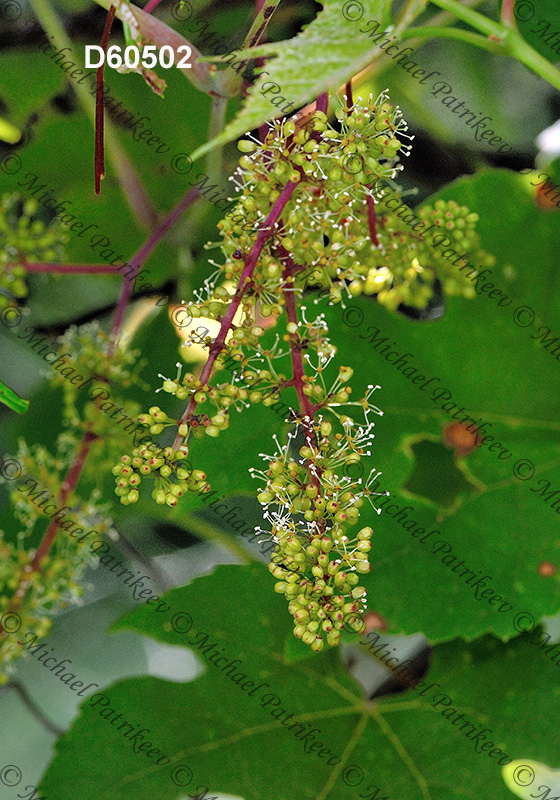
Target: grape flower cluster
x=24 y=238
x=305 y=222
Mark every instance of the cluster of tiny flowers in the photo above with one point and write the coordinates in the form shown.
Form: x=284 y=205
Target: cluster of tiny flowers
x=171 y=472
x=412 y=263
x=93 y=355
x=24 y=238
x=218 y=400
x=317 y=561
x=327 y=224
x=51 y=588
x=41 y=466
x=35 y=498
x=328 y=238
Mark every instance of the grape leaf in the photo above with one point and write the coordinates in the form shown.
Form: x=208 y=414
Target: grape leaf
x=324 y=56
x=219 y=737
x=538 y=23
x=496 y=371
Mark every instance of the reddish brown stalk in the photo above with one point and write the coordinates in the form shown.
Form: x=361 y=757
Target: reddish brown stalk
x=305 y=405
x=243 y=283
x=99 y=110
x=322 y=103
x=298 y=373
x=349 y=97
x=372 y=220
x=67 y=488
x=72 y=269
x=151 y=5
x=508 y=17
x=138 y=259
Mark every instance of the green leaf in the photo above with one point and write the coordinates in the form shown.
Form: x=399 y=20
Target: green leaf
x=324 y=56
x=496 y=372
x=9 y=398
x=230 y=740
x=538 y=23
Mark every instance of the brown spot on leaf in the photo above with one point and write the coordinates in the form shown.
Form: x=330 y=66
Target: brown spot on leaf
x=547 y=569
x=457 y=436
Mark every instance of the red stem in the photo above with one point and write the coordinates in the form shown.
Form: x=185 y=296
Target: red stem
x=298 y=369
x=298 y=373
x=68 y=486
x=73 y=269
x=244 y=281
x=322 y=102
x=149 y=7
x=507 y=13
x=349 y=97
x=372 y=219
x=99 y=109
x=138 y=259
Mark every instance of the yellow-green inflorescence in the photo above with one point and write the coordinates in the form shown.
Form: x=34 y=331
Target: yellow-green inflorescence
x=334 y=236
x=24 y=238
x=34 y=493
x=313 y=509
x=325 y=224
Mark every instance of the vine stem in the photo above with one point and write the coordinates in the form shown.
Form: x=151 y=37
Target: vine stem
x=29 y=703
x=510 y=41
x=151 y=5
x=507 y=13
x=430 y=32
x=132 y=187
x=372 y=220
x=298 y=369
x=298 y=372
x=138 y=259
x=99 y=157
x=244 y=281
